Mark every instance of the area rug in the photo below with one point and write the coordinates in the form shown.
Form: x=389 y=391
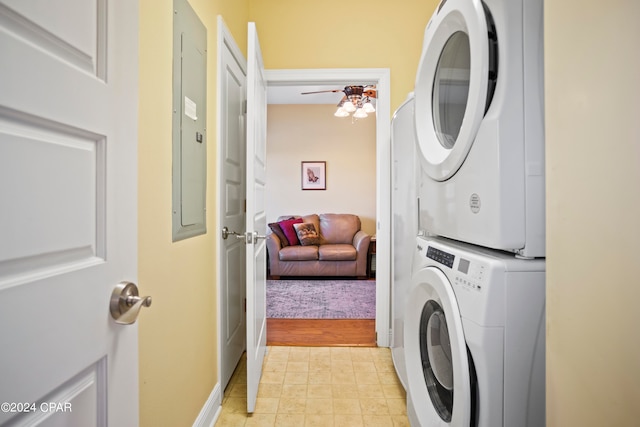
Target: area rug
x=321 y=299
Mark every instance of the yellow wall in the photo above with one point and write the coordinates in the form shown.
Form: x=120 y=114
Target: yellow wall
x=178 y=343
x=592 y=94
x=345 y=34
x=297 y=133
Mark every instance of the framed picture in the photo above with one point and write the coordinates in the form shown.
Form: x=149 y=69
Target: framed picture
x=314 y=175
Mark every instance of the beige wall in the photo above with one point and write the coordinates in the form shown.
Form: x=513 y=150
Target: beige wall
x=592 y=66
x=297 y=133
x=178 y=343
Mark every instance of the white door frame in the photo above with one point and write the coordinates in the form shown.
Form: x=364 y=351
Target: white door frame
x=341 y=76
x=381 y=78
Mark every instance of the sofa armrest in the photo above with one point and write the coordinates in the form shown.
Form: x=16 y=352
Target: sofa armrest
x=273 y=250
x=361 y=242
x=273 y=244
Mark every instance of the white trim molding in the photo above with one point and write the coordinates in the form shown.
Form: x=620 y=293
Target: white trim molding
x=211 y=410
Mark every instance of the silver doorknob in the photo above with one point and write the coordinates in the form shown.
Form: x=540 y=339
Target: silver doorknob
x=253 y=237
x=125 y=303
x=226 y=233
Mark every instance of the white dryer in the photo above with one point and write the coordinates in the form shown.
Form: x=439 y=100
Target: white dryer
x=480 y=124
x=474 y=337
x=404 y=221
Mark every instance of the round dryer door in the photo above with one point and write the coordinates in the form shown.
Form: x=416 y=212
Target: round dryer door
x=455 y=83
x=436 y=352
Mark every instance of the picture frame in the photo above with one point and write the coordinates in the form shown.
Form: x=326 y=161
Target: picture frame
x=314 y=175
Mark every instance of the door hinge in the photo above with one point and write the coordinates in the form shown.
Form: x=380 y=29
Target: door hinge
x=245 y=305
x=244 y=107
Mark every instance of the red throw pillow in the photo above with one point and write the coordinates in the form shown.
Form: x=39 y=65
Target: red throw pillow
x=289 y=231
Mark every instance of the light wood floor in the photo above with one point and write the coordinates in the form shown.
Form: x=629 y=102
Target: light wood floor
x=321 y=332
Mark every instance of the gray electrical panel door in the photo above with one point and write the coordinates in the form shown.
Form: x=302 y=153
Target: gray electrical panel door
x=189 y=122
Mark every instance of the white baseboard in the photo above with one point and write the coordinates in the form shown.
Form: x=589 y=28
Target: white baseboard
x=211 y=409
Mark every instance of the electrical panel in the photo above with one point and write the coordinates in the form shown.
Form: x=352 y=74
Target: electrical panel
x=189 y=122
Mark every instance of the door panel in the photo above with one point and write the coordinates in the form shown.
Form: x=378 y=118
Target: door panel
x=256 y=216
x=68 y=221
x=232 y=93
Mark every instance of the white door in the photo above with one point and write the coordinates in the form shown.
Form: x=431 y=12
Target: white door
x=232 y=165
x=256 y=217
x=68 y=211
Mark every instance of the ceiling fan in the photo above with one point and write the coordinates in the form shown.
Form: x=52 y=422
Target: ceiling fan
x=359 y=97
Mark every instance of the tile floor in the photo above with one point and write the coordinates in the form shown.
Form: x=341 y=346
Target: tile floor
x=319 y=386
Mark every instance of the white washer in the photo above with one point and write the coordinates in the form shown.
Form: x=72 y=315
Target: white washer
x=404 y=221
x=480 y=124
x=475 y=337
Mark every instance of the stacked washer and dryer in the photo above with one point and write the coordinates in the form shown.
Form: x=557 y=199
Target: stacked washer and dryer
x=468 y=179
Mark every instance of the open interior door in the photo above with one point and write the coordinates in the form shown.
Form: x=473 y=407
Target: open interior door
x=256 y=217
x=68 y=213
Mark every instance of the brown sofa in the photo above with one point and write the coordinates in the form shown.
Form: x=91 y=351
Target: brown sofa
x=340 y=246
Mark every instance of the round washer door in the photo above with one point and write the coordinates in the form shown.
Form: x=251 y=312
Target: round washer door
x=454 y=84
x=439 y=382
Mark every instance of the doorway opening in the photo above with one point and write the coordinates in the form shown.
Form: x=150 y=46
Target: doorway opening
x=303 y=131
x=293 y=79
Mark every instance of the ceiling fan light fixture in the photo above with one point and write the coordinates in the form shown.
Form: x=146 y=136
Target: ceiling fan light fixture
x=349 y=107
x=340 y=112
x=369 y=108
x=360 y=113
x=356 y=99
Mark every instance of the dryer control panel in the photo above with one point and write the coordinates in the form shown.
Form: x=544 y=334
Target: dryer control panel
x=472 y=275
x=467 y=274
x=441 y=256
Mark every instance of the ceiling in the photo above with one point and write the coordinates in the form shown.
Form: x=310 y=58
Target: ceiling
x=291 y=94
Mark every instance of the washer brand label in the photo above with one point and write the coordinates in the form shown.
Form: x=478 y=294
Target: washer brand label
x=474 y=203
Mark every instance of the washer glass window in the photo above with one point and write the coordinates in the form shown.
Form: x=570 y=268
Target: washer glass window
x=435 y=352
x=451 y=88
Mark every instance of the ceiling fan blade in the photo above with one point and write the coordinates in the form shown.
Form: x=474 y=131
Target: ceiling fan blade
x=321 y=91
x=371 y=93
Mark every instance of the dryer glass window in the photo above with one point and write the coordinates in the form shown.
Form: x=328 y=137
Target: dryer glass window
x=435 y=352
x=451 y=88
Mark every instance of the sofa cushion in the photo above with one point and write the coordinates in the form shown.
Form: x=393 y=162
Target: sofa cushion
x=307 y=234
x=275 y=228
x=298 y=253
x=289 y=231
x=339 y=228
x=336 y=252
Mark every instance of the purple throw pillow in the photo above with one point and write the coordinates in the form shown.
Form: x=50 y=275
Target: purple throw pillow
x=275 y=228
